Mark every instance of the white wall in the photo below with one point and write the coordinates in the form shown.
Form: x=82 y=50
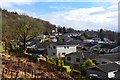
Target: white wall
x=60 y=49
x=67 y=49
x=111 y=74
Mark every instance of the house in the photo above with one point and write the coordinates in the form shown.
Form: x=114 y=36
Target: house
x=103 y=47
x=42 y=37
x=117 y=75
x=33 y=41
x=89 y=40
x=66 y=37
x=115 y=50
x=80 y=44
x=106 y=47
x=40 y=48
x=107 y=58
x=79 y=57
x=89 y=45
x=60 y=49
x=103 y=72
x=99 y=61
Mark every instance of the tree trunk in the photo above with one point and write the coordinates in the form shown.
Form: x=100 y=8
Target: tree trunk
x=16 y=75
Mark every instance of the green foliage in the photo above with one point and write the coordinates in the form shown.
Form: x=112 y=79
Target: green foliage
x=58 y=61
x=86 y=64
x=46 y=33
x=47 y=58
x=62 y=63
x=85 y=35
x=67 y=68
x=59 y=39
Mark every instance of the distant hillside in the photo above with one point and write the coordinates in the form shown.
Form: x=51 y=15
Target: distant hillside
x=9 y=20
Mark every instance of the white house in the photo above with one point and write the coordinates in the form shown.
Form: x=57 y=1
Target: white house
x=60 y=49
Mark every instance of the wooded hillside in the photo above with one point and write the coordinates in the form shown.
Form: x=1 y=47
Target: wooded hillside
x=10 y=21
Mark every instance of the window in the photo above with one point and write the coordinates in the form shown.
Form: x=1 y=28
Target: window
x=94 y=61
x=63 y=53
x=54 y=47
x=104 y=62
x=49 y=46
x=67 y=46
x=77 y=59
x=69 y=58
x=53 y=53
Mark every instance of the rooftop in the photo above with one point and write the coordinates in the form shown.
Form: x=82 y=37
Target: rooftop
x=107 y=67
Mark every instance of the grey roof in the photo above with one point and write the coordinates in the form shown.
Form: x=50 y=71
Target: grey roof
x=111 y=57
x=75 y=41
x=107 y=67
x=106 y=45
x=84 y=55
x=90 y=44
x=33 y=41
x=64 y=43
x=41 y=45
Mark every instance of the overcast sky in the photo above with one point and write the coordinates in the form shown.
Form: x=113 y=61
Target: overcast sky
x=79 y=15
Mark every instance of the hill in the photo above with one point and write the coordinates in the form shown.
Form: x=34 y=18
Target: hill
x=11 y=19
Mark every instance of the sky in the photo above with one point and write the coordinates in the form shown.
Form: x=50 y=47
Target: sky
x=80 y=15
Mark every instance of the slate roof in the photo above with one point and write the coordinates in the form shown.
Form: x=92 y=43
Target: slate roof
x=64 y=43
x=111 y=57
x=107 y=67
x=90 y=44
x=106 y=45
x=84 y=55
x=75 y=41
x=32 y=42
x=41 y=45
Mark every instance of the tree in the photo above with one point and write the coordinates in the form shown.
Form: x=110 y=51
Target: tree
x=25 y=29
x=83 y=36
x=58 y=61
x=101 y=34
x=59 y=39
x=70 y=30
x=59 y=29
x=86 y=64
x=64 y=30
